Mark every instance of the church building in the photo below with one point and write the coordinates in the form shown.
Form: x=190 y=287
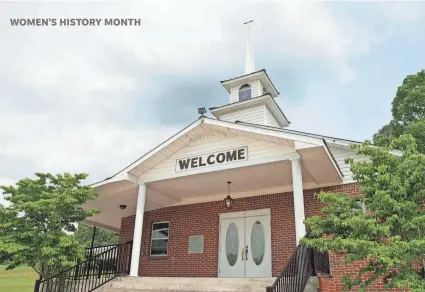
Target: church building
x=227 y=196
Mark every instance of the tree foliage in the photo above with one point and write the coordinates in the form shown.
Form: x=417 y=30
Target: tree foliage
x=84 y=235
x=390 y=236
x=38 y=219
x=408 y=111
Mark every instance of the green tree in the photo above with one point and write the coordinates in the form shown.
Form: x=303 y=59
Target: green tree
x=390 y=236
x=37 y=222
x=408 y=111
x=84 y=235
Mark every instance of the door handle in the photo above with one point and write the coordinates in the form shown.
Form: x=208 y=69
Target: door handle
x=246 y=252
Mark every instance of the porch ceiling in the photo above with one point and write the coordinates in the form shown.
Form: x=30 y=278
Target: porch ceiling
x=247 y=181
x=199 y=187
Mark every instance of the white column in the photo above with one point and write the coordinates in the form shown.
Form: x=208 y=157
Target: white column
x=297 y=186
x=138 y=226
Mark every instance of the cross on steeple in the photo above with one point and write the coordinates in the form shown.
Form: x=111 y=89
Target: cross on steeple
x=249 y=59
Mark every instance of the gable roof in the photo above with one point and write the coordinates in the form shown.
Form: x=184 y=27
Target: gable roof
x=242 y=126
x=331 y=139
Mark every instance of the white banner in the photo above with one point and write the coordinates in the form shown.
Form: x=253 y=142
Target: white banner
x=214 y=158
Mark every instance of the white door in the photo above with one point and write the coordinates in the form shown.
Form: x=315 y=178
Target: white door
x=245 y=244
x=232 y=237
x=258 y=260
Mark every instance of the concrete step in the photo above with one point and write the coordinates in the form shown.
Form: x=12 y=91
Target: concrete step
x=168 y=284
x=175 y=284
x=312 y=285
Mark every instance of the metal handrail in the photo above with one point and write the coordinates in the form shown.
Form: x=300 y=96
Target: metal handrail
x=322 y=266
x=102 y=246
x=303 y=263
x=91 y=273
x=90 y=252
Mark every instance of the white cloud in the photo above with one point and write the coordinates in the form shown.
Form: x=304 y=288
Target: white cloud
x=65 y=93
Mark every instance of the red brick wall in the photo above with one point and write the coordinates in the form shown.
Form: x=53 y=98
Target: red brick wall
x=339 y=269
x=203 y=219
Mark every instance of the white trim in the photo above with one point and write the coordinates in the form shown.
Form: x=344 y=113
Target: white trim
x=277 y=112
x=119 y=177
x=260 y=74
x=238 y=164
x=265 y=99
x=302 y=145
x=332 y=159
x=329 y=139
x=244 y=214
x=262 y=131
x=298 y=197
x=165 y=144
x=243 y=103
x=138 y=228
x=152 y=152
x=219 y=248
x=279 y=133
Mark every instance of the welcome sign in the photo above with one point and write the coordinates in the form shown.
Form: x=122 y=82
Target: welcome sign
x=214 y=158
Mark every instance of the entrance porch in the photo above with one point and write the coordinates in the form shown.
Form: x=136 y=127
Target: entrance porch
x=170 y=201
x=258 y=208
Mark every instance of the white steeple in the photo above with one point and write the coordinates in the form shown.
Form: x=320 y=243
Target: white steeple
x=251 y=96
x=249 y=59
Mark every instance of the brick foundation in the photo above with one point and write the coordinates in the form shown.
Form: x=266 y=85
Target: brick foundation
x=339 y=269
x=203 y=219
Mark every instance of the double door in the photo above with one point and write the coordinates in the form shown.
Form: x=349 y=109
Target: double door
x=245 y=244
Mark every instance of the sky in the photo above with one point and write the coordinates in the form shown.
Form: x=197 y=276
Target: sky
x=93 y=99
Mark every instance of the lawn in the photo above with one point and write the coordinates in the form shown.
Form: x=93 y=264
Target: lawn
x=20 y=279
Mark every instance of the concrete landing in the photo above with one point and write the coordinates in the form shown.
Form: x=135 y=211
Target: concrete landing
x=168 y=284
x=175 y=284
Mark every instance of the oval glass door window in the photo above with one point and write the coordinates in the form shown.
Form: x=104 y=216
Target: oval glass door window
x=258 y=244
x=232 y=244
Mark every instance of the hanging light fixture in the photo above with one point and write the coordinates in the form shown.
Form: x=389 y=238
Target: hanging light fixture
x=228 y=201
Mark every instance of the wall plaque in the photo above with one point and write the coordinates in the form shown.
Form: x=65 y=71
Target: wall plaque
x=196 y=244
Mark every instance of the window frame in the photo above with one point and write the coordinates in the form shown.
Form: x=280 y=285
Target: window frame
x=247 y=87
x=362 y=205
x=168 y=238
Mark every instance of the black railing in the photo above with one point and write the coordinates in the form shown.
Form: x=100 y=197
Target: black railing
x=91 y=252
x=91 y=273
x=304 y=263
x=321 y=263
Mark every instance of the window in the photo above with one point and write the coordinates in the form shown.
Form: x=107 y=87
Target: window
x=362 y=206
x=244 y=92
x=159 y=239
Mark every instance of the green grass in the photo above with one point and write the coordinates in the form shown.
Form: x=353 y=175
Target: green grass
x=20 y=279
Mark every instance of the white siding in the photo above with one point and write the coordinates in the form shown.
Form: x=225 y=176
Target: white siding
x=257 y=151
x=234 y=94
x=270 y=120
x=254 y=115
x=256 y=88
x=340 y=153
x=260 y=88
